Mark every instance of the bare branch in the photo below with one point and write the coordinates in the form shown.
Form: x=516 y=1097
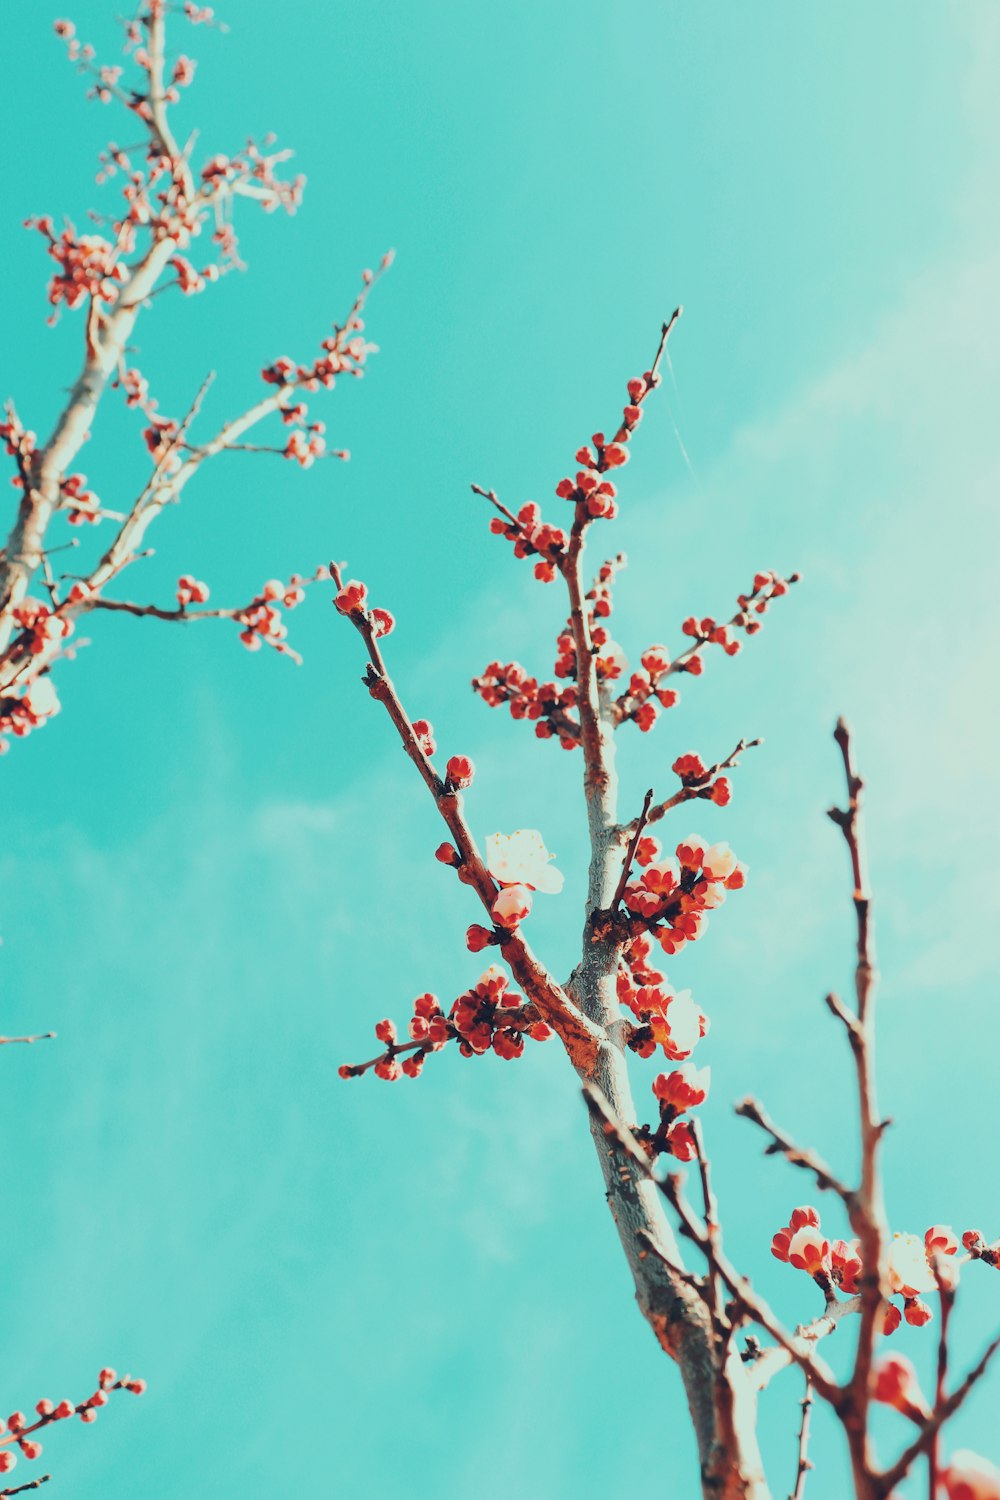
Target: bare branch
x=799 y=1156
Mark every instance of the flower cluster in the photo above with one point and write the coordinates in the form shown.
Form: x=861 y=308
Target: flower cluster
x=18 y=1431
x=671 y=898
x=647 y=692
x=533 y=537
x=261 y=619
x=352 y=600
x=191 y=591
x=42 y=629
x=915 y=1265
x=37 y=703
x=551 y=709
x=699 y=780
x=80 y=503
x=683 y=1089
x=609 y=659
x=88 y=265
x=488 y=1017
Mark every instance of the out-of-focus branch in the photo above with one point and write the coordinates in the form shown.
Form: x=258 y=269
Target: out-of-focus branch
x=888 y=1479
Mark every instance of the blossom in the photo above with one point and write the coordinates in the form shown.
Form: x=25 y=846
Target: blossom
x=683 y=1089
x=41 y=699
x=521 y=858
x=909 y=1273
x=718 y=862
x=808 y=1250
x=970 y=1477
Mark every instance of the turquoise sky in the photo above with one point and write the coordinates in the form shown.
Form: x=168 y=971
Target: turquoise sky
x=217 y=866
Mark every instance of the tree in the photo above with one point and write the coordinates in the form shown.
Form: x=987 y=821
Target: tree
x=168 y=203
x=617 y=1001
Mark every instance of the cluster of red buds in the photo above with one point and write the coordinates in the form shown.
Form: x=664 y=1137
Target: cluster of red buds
x=489 y=1017
x=533 y=537
x=88 y=265
x=699 y=780
x=609 y=659
x=591 y=492
x=352 y=600
x=598 y=596
x=550 y=708
x=677 y=1092
x=37 y=703
x=18 y=1431
x=305 y=446
x=20 y=443
x=42 y=629
x=261 y=619
x=80 y=503
x=191 y=590
x=672 y=897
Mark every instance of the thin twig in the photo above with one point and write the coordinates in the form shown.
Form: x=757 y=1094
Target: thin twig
x=695 y=789
x=803 y=1462
x=633 y=845
x=799 y=1156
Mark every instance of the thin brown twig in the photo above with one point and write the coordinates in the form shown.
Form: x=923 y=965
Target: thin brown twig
x=799 y=1156
x=803 y=1448
x=689 y=791
x=865 y=1207
x=710 y=1213
x=31 y=1484
x=633 y=845
x=43 y=1036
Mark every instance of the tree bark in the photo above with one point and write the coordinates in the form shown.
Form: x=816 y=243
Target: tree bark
x=720 y=1396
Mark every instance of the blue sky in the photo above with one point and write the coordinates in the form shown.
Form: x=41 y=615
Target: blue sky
x=215 y=865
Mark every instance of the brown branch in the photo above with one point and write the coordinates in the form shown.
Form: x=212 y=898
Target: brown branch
x=799 y=1156
x=580 y=1036
x=32 y=1484
x=43 y=1036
